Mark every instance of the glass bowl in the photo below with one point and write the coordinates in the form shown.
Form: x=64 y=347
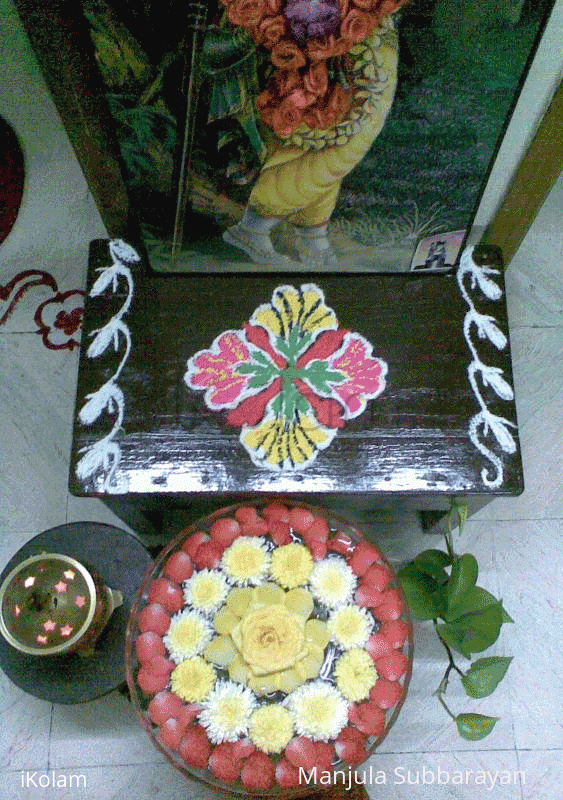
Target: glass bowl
x=269 y=649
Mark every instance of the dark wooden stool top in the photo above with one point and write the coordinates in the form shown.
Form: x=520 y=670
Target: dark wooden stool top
x=207 y=385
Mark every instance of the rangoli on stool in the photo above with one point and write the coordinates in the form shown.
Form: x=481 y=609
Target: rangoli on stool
x=290 y=378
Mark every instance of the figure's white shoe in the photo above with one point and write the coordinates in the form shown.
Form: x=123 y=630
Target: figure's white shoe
x=256 y=245
x=314 y=247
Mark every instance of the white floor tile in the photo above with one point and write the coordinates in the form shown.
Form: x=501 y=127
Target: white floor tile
x=529 y=557
x=25 y=722
x=90 y=509
x=105 y=731
x=543 y=771
x=36 y=408
x=23 y=785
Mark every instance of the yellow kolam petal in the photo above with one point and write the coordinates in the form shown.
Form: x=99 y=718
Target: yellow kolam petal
x=268 y=594
x=224 y=620
x=300 y=601
x=238 y=600
x=316 y=632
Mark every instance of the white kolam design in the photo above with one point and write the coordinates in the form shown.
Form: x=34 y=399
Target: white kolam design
x=101 y=460
x=485 y=424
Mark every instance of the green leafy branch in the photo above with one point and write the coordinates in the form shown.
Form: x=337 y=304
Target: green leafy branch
x=442 y=587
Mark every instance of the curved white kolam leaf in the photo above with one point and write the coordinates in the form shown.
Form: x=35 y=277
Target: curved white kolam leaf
x=101 y=460
x=485 y=424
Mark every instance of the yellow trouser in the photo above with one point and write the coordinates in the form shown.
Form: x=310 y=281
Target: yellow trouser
x=304 y=185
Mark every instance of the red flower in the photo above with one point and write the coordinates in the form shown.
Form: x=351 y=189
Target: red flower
x=356 y=26
x=59 y=318
x=270 y=31
x=286 y=118
x=316 y=79
x=287 y=55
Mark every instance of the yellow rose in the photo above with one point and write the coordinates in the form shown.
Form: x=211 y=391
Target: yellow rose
x=270 y=639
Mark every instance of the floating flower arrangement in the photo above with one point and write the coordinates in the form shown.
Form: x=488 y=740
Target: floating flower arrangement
x=269 y=648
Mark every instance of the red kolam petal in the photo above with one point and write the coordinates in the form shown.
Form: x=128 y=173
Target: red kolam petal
x=148 y=646
x=377 y=576
x=385 y=694
x=171 y=733
x=396 y=631
x=379 y=646
x=317 y=550
x=208 y=555
x=391 y=607
x=364 y=555
x=159 y=665
x=246 y=514
x=317 y=531
x=151 y=682
x=225 y=531
x=300 y=519
x=191 y=544
x=301 y=752
x=167 y=593
x=368 y=718
x=243 y=748
x=341 y=543
x=258 y=772
x=275 y=512
x=392 y=667
x=257 y=527
x=325 y=756
x=223 y=763
x=350 y=746
x=154 y=618
x=163 y=706
x=179 y=566
x=195 y=747
x=287 y=775
x=368 y=597
x=187 y=713
x=280 y=532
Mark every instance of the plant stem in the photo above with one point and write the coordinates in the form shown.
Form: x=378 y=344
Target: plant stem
x=452 y=664
x=441 y=699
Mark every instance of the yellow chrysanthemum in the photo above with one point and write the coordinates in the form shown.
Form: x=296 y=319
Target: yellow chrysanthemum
x=206 y=590
x=271 y=728
x=188 y=635
x=247 y=560
x=193 y=679
x=355 y=674
x=350 y=626
x=291 y=565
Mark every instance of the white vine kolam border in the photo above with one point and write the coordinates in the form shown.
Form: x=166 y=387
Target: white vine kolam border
x=100 y=461
x=485 y=425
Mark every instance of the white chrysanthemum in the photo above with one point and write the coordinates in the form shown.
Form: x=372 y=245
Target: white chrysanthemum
x=188 y=635
x=206 y=591
x=226 y=712
x=332 y=582
x=350 y=626
x=318 y=710
x=247 y=560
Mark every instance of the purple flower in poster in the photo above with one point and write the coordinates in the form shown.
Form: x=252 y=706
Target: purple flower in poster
x=310 y=19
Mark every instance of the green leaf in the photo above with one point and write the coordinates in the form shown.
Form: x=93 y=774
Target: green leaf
x=506 y=616
x=484 y=675
x=434 y=562
x=320 y=376
x=419 y=590
x=463 y=577
x=473 y=633
x=474 y=726
x=475 y=600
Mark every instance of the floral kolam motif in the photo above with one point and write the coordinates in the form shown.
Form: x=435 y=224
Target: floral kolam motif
x=290 y=378
x=269 y=648
x=320 y=77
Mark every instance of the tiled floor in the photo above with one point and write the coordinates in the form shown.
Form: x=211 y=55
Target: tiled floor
x=98 y=749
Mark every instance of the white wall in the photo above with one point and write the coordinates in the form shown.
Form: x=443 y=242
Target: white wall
x=543 y=79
